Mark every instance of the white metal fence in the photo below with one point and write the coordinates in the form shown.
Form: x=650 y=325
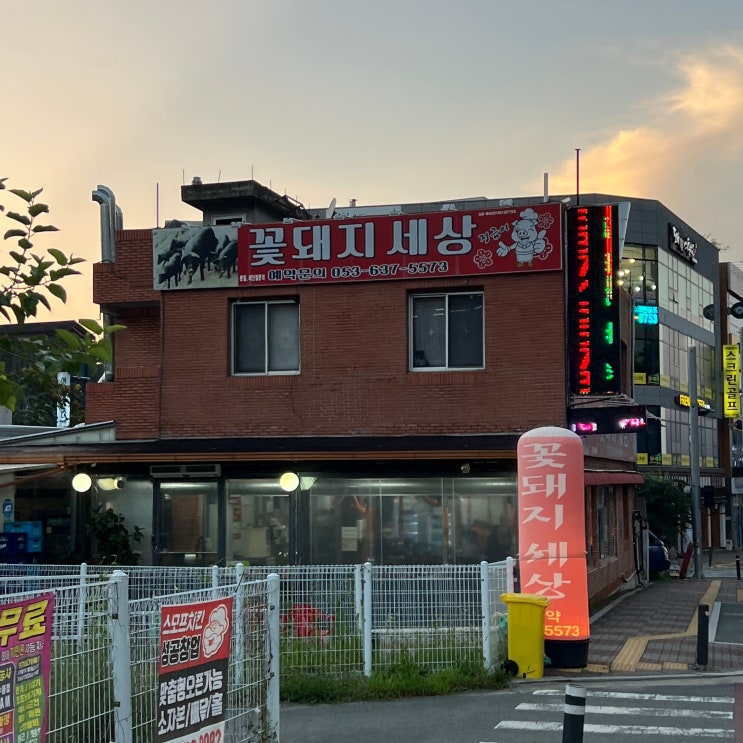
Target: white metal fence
x=104 y=670
x=340 y=619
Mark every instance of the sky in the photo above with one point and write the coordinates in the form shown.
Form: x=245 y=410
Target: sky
x=382 y=101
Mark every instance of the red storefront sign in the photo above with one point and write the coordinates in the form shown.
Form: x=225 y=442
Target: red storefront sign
x=193 y=671
x=552 y=532
x=437 y=244
x=25 y=668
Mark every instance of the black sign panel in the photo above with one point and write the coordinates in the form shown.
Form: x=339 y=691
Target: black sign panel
x=593 y=303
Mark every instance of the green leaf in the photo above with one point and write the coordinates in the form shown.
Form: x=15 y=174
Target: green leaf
x=58 y=256
x=22 y=218
x=14 y=233
x=20 y=315
x=70 y=339
x=75 y=261
x=92 y=325
x=35 y=209
x=60 y=273
x=25 y=195
x=25 y=244
x=109 y=329
x=104 y=354
x=45 y=302
x=34 y=194
x=57 y=291
x=17 y=257
x=44 y=228
x=2 y=183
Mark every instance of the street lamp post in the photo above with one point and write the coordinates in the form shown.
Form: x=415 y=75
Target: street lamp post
x=694 y=455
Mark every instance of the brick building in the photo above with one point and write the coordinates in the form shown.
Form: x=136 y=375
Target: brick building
x=285 y=416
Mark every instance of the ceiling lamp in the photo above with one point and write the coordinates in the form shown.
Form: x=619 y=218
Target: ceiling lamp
x=289 y=482
x=82 y=482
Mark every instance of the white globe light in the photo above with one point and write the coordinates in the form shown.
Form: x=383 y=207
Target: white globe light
x=82 y=482
x=289 y=481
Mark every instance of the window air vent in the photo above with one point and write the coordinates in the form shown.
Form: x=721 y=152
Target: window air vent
x=185 y=470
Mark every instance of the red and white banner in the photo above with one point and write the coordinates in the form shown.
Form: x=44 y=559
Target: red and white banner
x=192 y=671
x=402 y=246
x=552 y=528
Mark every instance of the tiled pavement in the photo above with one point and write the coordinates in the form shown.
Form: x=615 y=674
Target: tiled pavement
x=654 y=629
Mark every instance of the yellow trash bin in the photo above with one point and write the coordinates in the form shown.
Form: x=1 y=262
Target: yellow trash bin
x=525 y=634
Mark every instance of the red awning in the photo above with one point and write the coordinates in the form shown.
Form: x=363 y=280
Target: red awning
x=613 y=478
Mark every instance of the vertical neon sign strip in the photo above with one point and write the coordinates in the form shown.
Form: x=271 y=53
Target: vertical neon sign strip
x=552 y=538
x=608 y=256
x=584 y=307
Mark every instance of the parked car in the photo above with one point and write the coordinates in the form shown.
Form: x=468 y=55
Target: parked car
x=658 y=560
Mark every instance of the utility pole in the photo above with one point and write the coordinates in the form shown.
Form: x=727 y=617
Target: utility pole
x=694 y=455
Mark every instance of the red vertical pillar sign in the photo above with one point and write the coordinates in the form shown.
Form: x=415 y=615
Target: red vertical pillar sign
x=552 y=539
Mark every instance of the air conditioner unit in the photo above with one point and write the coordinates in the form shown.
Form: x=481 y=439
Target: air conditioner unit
x=175 y=471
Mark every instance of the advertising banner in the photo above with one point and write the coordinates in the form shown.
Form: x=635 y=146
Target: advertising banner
x=402 y=246
x=552 y=538
x=731 y=380
x=25 y=669
x=193 y=671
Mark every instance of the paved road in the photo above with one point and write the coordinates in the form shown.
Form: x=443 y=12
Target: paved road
x=699 y=708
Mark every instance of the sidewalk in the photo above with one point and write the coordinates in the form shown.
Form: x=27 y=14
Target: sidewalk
x=654 y=629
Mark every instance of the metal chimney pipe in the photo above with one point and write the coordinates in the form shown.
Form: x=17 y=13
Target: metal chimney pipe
x=109 y=213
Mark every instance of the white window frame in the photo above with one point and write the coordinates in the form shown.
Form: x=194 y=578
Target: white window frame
x=411 y=346
x=267 y=304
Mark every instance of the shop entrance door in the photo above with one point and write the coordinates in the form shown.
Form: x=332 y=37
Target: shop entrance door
x=187 y=523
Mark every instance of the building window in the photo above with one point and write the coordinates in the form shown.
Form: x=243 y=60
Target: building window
x=446 y=331
x=265 y=338
x=605 y=524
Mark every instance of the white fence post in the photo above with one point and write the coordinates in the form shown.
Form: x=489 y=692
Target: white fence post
x=272 y=693
x=81 y=598
x=487 y=654
x=367 y=584
x=358 y=598
x=122 y=666
x=238 y=612
x=510 y=584
x=215 y=579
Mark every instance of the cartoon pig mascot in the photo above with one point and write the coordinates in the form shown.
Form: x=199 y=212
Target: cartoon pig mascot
x=527 y=242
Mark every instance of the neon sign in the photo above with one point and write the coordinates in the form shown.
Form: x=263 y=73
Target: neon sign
x=593 y=304
x=601 y=420
x=646 y=314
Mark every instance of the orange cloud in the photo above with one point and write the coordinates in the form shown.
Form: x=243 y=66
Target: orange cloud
x=686 y=134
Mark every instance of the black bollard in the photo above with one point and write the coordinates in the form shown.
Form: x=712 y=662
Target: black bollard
x=703 y=636
x=575 y=714
x=737 y=566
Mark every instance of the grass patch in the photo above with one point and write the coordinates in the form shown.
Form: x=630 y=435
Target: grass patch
x=400 y=680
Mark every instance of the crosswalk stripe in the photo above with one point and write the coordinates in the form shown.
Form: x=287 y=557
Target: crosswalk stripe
x=648 y=697
x=617 y=729
x=657 y=711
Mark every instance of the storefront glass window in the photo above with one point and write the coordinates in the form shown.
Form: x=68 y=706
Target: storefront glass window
x=412 y=520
